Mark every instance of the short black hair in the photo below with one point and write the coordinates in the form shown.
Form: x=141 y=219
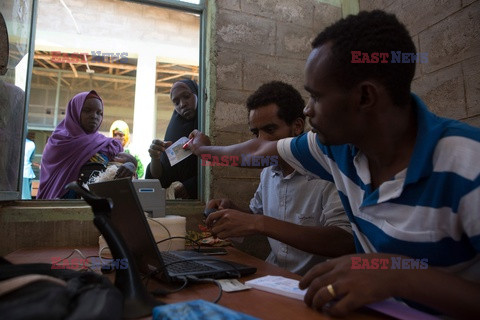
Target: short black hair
x=374 y=31
x=289 y=101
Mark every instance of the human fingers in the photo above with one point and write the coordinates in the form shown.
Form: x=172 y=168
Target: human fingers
x=120 y=173
x=346 y=304
x=125 y=171
x=225 y=204
x=326 y=297
x=213 y=203
x=213 y=218
x=160 y=145
x=220 y=226
x=199 y=140
x=156 y=148
x=193 y=134
x=317 y=278
x=315 y=272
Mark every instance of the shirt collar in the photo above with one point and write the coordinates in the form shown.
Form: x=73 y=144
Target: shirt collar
x=276 y=170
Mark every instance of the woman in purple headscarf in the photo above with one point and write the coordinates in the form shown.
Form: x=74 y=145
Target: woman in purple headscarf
x=74 y=143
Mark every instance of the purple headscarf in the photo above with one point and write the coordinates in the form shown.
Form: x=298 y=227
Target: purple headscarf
x=69 y=148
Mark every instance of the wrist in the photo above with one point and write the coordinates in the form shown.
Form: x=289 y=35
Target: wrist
x=259 y=223
x=200 y=150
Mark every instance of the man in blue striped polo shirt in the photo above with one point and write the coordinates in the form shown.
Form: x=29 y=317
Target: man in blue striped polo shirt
x=409 y=180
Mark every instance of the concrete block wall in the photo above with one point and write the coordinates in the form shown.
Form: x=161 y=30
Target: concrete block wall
x=449 y=31
x=252 y=42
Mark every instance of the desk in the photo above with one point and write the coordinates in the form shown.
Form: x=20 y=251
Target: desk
x=260 y=304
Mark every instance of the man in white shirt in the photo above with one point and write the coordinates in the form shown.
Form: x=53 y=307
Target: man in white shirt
x=302 y=226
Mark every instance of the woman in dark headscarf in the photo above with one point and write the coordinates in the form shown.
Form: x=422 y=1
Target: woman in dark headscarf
x=74 y=143
x=184 y=95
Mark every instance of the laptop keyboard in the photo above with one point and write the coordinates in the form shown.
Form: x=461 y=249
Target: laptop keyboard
x=184 y=266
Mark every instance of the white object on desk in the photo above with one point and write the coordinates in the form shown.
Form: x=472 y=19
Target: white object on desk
x=176 y=226
x=279 y=285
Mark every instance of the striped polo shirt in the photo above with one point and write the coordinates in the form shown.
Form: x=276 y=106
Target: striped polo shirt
x=430 y=210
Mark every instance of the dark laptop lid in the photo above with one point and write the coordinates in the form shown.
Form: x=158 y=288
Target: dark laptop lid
x=129 y=219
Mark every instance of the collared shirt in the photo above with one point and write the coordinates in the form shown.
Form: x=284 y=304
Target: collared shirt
x=27 y=161
x=430 y=210
x=301 y=200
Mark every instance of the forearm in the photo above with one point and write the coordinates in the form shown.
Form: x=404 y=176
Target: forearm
x=156 y=169
x=442 y=291
x=235 y=153
x=327 y=241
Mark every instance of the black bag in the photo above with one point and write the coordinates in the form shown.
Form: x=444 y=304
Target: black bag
x=36 y=291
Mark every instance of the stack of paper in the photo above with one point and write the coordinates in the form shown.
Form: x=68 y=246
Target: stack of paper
x=280 y=285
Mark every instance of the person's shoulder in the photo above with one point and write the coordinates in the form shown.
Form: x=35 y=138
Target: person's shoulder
x=457 y=135
x=457 y=149
x=455 y=128
x=267 y=172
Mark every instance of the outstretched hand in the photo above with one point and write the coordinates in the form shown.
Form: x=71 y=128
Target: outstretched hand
x=199 y=140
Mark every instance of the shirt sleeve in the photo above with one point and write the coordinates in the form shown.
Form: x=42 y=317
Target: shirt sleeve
x=256 y=203
x=333 y=211
x=469 y=216
x=306 y=155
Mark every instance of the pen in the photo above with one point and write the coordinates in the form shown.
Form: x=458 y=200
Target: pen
x=187 y=143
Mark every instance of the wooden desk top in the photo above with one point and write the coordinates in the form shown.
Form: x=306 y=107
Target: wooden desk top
x=260 y=304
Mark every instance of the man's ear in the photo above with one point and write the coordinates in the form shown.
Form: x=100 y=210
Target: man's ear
x=366 y=95
x=298 y=126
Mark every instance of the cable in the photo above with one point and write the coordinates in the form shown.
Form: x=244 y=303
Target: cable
x=100 y=254
x=198 y=244
x=81 y=255
x=168 y=232
x=208 y=280
x=163 y=292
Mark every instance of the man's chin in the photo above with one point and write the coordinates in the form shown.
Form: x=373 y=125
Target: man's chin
x=320 y=137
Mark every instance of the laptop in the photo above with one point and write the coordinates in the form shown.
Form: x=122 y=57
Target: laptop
x=151 y=196
x=129 y=219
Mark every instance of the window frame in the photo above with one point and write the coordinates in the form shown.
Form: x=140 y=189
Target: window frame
x=199 y=9
x=6 y=195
